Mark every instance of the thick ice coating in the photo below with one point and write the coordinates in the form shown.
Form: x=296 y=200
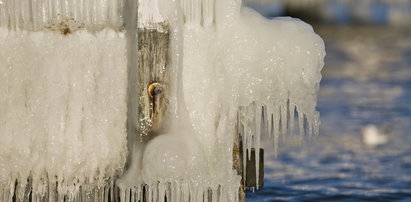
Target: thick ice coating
x=240 y=74
x=65 y=96
x=39 y=14
x=268 y=66
x=62 y=110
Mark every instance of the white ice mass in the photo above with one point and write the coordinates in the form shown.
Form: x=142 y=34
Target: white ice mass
x=66 y=71
x=62 y=109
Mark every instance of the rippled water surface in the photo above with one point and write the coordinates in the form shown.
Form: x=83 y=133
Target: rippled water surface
x=367 y=80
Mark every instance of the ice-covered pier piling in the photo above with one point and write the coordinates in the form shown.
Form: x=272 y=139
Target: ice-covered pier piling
x=79 y=120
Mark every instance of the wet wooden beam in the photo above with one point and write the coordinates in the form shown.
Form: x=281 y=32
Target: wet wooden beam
x=238 y=166
x=238 y=161
x=251 y=179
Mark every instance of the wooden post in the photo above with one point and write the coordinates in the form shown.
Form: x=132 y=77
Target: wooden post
x=238 y=166
x=238 y=160
x=248 y=178
x=153 y=76
x=154 y=79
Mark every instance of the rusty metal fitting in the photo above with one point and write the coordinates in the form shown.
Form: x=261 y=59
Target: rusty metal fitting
x=154 y=89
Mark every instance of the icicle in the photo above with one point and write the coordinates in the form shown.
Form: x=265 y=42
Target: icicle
x=198 y=12
x=301 y=124
x=310 y=128
x=186 y=192
x=106 y=192
x=244 y=145
x=176 y=192
x=292 y=117
x=258 y=126
x=221 y=194
x=276 y=125
x=316 y=123
x=198 y=193
x=284 y=120
x=168 y=191
x=208 y=12
x=161 y=191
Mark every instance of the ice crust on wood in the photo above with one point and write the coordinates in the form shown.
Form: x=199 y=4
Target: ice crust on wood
x=232 y=72
x=62 y=111
x=35 y=15
x=239 y=74
x=265 y=71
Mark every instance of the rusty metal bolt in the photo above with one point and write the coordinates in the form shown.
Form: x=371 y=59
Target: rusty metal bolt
x=155 y=89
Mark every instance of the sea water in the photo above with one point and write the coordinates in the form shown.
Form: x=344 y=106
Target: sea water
x=366 y=82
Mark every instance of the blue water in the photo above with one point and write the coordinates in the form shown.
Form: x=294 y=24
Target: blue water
x=367 y=80
x=338 y=11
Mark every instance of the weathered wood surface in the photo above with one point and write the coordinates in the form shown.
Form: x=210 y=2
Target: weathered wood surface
x=238 y=165
x=153 y=78
x=251 y=178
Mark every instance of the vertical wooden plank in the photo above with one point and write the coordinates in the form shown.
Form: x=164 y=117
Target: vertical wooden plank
x=153 y=77
x=238 y=160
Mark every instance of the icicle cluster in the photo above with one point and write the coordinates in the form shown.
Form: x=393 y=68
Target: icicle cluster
x=35 y=15
x=240 y=74
x=74 y=194
x=266 y=70
x=63 y=107
x=62 y=112
x=179 y=191
x=201 y=12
